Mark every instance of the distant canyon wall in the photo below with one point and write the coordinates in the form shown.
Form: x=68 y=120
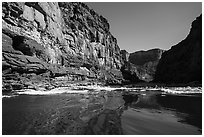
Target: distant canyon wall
x=142 y=64
x=181 y=64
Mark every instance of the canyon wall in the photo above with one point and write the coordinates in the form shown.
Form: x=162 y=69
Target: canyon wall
x=141 y=65
x=129 y=71
x=183 y=62
x=142 y=57
x=146 y=62
x=48 y=42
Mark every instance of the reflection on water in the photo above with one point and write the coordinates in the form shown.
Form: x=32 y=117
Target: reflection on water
x=112 y=112
x=154 y=113
x=142 y=100
x=106 y=123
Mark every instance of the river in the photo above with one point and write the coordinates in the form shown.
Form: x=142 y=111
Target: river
x=103 y=110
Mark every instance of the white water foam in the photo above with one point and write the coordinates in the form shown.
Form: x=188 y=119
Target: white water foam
x=73 y=89
x=105 y=88
x=8 y=96
x=51 y=92
x=98 y=88
x=182 y=90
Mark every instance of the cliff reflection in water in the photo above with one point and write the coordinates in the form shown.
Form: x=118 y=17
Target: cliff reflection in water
x=108 y=122
x=141 y=100
x=181 y=109
x=104 y=112
x=152 y=105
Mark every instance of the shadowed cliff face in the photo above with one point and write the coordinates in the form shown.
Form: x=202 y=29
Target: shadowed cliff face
x=57 y=39
x=141 y=64
x=146 y=61
x=129 y=70
x=142 y=57
x=183 y=62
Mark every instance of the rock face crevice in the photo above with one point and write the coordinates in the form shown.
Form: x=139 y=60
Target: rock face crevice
x=183 y=62
x=57 y=39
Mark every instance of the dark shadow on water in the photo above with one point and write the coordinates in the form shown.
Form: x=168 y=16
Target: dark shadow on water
x=129 y=99
x=187 y=108
x=190 y=105
x=141 y=100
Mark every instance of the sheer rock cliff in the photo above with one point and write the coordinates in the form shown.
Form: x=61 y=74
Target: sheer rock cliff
x=45 y=42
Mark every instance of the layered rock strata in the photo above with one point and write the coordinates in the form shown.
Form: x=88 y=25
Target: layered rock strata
x=44 y=41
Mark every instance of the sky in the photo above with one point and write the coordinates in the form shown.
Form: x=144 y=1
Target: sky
x=147 y=25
